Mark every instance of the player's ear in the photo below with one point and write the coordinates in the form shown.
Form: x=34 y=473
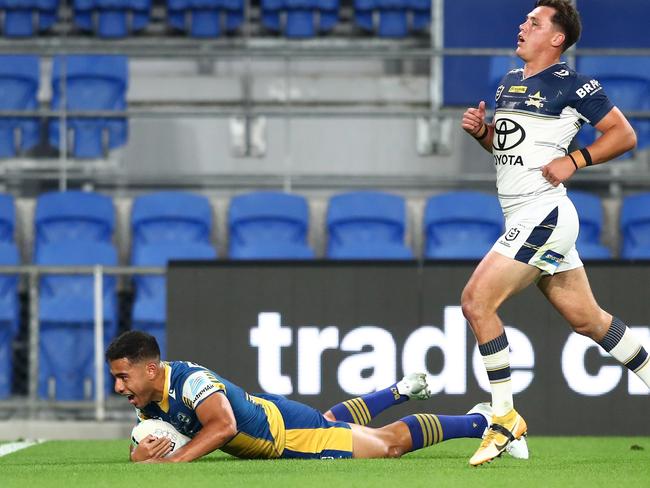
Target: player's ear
x=558 y=39
x=152 y=368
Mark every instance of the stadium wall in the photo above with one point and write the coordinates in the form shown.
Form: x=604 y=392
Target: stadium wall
x=324 y=332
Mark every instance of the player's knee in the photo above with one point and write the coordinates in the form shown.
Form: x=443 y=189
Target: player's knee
x=473 y=307
x=589 y=325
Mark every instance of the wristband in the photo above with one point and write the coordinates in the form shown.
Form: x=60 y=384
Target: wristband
x=478 y=138
x=587 y=156
x=573 y=161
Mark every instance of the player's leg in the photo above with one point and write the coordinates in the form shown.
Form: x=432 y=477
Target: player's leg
x=363 y=409
x=496 y=278
x=571 y=295
x=414 y=432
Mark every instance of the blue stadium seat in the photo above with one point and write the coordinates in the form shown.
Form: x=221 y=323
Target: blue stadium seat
x=170 y=216
x=590 y=213
x=26 y=18
x=66 y=313
x=461 y=225
x=421 y=11
x=19 y=77
x=150 y=306
x=112 y=18
x=269 y=225
x=499 y=66
x=635 y=227
x=7 y=218
x=94 y=83
x=300 y=18
x=627 y=93
x=72 y=216
x=205 y=18
x=392 y=18
x=8 y=316
x=367 y=225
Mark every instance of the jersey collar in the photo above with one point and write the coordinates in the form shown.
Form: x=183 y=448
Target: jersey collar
x=164 y=403
x=524 y=78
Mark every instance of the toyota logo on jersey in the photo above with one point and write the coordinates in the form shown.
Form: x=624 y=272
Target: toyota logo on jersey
x=508 y=134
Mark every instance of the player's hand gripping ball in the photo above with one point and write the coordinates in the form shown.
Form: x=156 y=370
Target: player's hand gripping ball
x=158 y=428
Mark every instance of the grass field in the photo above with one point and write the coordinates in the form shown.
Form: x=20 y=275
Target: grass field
x=555 y=461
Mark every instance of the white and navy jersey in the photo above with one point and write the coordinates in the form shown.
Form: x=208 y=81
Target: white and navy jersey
x=535 y=120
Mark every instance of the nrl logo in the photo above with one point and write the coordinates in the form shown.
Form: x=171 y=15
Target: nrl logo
x=535 y=100
x=563 y=73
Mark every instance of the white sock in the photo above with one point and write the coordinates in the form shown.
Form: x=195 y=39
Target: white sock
x=496 y=357
x=626 y=348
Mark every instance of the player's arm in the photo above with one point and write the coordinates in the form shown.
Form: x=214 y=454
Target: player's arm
x=474 y=124
x=219 y=427
x=617 y=138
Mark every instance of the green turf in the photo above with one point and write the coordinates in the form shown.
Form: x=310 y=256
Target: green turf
x=555 y=461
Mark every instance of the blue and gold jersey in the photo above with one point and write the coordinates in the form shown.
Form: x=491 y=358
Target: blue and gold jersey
x=268 y=426
x=535 y=119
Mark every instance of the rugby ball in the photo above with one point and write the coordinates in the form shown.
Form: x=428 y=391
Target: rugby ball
x=158 y=428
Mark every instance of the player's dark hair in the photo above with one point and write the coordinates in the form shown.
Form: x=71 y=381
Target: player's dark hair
x=135 y=346
x=566 y=17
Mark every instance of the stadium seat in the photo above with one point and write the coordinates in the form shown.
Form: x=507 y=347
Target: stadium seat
x=66 y=313
x=590 y=213
x=150 y=306
x=8 y=316
x=300 y=18
x=205 y=18
x=269 y=225
x=170 y=216
x=461 y=225
x=392 y=18
x=19 y=78
x=26 y=18
x=112 y=18
x=7 y=218
x=94 y=83
x=367 y=225
x=72 y=216
x=635 y=226
x=627 y=93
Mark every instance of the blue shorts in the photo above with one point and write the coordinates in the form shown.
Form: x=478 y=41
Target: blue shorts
x=308 y=435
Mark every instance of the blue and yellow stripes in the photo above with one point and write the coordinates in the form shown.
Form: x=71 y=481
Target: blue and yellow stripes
x=359 y=411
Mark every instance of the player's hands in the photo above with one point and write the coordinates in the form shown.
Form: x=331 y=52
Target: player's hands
x=151 y=447
x=474 y=120
x=559 y=170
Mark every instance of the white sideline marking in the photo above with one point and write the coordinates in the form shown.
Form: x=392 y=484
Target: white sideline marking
x=16 y=446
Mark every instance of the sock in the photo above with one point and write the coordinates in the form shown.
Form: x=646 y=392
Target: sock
x=626 y=348
x=496 y=357
x=363 y=409
x=427 y=429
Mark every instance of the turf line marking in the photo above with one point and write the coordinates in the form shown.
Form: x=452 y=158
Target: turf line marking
x=16 y=446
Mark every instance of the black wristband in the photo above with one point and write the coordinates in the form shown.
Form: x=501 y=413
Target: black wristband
x=485 y=133
x=573 y=161
x=587 y=156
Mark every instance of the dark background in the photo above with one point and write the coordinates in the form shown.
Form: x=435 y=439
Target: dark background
x=213 y=306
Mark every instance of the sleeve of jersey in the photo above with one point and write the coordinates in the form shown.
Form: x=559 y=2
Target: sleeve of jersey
x=590 y=100
x=198 y=386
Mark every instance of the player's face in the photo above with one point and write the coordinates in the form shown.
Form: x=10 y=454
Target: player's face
x=537 y=33
x=134 y=380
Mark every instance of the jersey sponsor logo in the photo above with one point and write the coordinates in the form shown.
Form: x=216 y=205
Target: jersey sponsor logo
x=563 y=73
x=203 y=393
x=508 y=159
x=499 y=92
x=509 y=134
x=552 y=258
x=512 y=234
x=517 y=89
x=535 y=100
x=588 y=89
